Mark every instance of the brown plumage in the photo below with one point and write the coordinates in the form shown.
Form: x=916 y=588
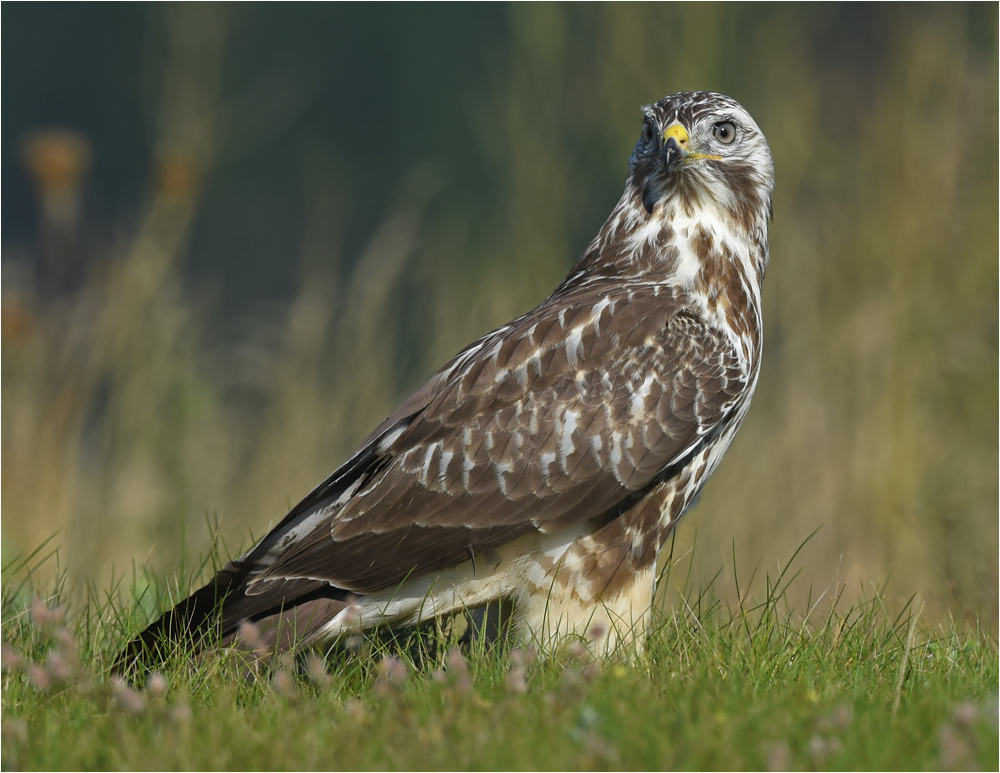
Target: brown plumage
x=546 y=464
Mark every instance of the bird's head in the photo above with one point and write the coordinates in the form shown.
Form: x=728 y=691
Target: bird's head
x=699 y=148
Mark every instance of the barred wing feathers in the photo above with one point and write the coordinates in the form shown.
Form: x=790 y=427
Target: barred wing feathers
x=553 y=420
x=570 y=439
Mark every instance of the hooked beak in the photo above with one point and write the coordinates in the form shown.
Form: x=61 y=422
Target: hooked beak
x=677 y=150
x=673 y=153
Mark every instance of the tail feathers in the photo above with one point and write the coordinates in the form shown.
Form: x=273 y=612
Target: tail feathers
x=221 y=614
x=261 y=641
x=193 y=621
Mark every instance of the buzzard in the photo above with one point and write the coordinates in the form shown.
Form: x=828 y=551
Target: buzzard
x=546 y=464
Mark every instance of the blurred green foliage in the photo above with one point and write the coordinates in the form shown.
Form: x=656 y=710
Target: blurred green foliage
x=269 y=223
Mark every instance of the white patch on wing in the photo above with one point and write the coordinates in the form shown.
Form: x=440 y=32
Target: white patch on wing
x=425 y=470
x=638 y=407
x=566 y=429
x=343 y=498
x=301 y=528
x=390 y=437
x=306 y=525
x=473 y=349
x=502 y=470
x=468 y=465
x=535 y=361
x=638 y=542
x=446 y=457
x=574 y=346
x=615 y=455
x=547 y=460
x=598 y=309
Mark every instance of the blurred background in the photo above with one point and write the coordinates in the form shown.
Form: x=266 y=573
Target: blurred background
x=234 y=237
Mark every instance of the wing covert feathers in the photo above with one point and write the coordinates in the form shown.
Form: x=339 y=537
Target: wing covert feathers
x=574 y=436
x=553 y=421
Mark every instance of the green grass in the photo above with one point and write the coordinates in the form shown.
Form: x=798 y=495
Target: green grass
x=755 y=687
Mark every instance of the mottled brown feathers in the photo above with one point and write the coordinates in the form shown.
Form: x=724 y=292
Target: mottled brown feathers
x=547 y=462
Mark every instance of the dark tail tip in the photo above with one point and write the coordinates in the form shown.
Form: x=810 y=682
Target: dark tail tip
x=190 y=626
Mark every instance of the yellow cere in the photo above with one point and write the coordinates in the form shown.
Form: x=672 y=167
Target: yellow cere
x=680 y=134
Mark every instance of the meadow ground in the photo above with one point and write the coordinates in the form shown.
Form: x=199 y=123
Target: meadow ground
x=144 y=399
x=754 y=687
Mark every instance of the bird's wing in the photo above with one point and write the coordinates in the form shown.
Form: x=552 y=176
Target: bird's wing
x=553 y=419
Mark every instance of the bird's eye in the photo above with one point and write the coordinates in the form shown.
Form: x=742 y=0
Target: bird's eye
x=724 y=132
x=647 y=133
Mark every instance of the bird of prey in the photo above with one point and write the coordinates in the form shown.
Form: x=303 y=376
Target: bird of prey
x=546 y=464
